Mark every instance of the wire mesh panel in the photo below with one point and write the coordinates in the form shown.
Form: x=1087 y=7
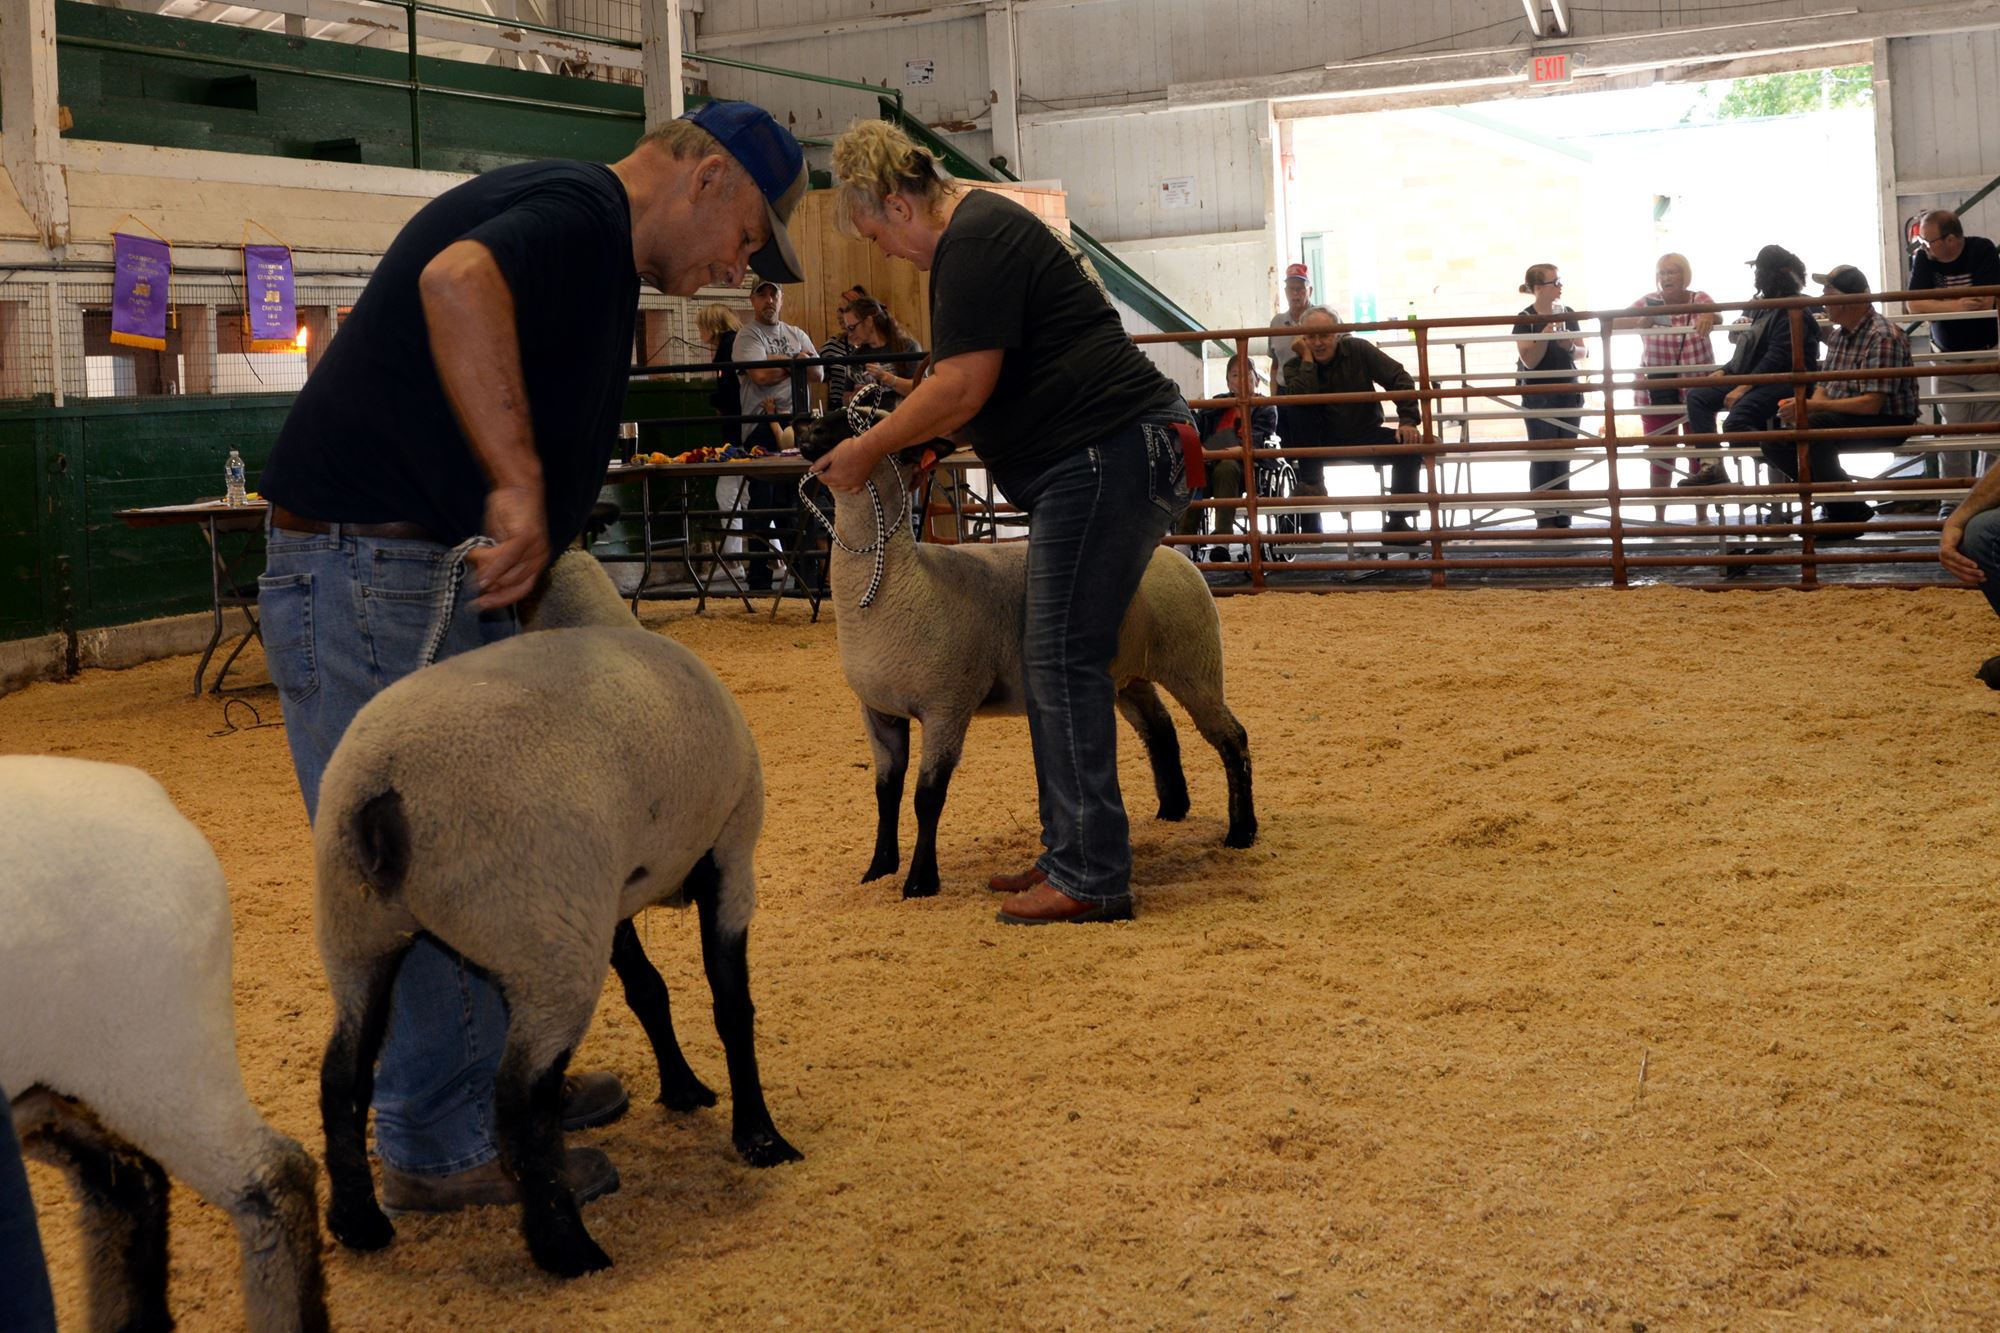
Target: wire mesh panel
x=27 y=350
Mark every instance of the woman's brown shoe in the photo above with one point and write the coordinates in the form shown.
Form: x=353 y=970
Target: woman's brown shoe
x=1020 y=883
x=1045 y=903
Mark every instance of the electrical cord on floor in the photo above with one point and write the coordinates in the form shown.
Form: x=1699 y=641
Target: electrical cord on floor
x=229 y=724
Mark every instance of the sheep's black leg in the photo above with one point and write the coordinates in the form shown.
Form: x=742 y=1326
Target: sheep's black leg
x=527 y=1116
x=725 y=957
x=1140 y=704
x=123 y=1193
x=1226 y=734
x=346 y=1087
x=889 y=737
x=932 y=783
x=646 y=993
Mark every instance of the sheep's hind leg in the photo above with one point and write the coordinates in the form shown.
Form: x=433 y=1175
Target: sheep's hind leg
x=1140 y=705
x=123 y=1194
x=1219 y=727
x=646 y=994
x=527 y=1105
x=346 y=1087
x=944 y=741
x=889 y=738
x=725 y=957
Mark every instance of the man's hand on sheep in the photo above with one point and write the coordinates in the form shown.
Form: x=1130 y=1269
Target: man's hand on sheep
x=520 y=530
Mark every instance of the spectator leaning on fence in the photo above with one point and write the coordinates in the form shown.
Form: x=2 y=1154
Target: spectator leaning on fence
x=769 y=390
x=1668 y=341
x=1544 y=356
x=1949 y=258
x=1862 y=340
x=1765 y=348
x=1330 y=361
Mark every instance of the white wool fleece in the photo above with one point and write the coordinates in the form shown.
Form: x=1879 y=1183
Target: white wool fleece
x=114 y=966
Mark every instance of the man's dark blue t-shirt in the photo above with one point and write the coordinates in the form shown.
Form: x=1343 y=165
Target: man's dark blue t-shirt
x=1977 y=265
x=372 y=438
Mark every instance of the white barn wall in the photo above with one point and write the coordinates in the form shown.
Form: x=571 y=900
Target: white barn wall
x=956 y=49
x=1113 y=168
x=1946 y=124
x=1225 y=281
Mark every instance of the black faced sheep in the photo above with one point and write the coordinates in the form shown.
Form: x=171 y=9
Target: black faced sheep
x=519 y=803
x=940 y=640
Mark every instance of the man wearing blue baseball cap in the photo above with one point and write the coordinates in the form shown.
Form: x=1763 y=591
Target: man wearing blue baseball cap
x=476 y=391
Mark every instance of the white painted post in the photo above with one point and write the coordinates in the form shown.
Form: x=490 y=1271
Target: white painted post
x=1004 y=85
x=660 y=59
x=1895 y=248
x=30 y=143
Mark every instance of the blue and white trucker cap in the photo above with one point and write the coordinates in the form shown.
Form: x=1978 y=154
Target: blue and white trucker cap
x=775 y=161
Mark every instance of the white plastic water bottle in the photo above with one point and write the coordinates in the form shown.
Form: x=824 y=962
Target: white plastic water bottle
x=232 y=477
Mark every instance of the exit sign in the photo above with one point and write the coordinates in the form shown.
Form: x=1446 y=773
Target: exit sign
x=1550 y=69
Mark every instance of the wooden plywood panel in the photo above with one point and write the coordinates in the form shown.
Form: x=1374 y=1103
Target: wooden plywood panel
x=192 y=212
x=834 y=262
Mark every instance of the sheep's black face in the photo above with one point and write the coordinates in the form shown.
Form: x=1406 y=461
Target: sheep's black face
x=824 y=434
x=819 y=437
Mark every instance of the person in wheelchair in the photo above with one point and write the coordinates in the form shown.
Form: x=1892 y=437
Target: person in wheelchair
x=1218 y=427
x=1329 y=361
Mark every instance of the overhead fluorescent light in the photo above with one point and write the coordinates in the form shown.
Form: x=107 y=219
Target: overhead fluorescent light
x=1533 y=9
x=1562 y=17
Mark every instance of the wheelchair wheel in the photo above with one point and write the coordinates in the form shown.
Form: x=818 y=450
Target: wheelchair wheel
x=1278 y=480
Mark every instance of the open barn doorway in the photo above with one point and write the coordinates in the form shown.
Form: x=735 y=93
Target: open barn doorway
x=1437 y=211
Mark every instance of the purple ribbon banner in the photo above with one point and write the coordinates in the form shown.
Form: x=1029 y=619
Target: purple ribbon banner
x=270 y=316
x=141 y=267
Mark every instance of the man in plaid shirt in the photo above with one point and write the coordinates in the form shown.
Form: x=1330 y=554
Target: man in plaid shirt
x=1862 y=340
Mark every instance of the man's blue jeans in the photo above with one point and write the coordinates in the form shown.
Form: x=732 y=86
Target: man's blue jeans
x=1094 y=521
x=344 y=618
x=25 y=1301
x=1981 y=544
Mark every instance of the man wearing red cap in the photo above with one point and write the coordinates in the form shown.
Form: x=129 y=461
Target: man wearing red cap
x=1298 y=300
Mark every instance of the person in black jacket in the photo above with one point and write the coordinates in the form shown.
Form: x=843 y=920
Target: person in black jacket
x=1336 y=362
x=1217 y=427
x=717 y=325
x=1765 y=349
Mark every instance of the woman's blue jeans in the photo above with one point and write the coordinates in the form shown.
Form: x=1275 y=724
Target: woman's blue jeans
x=1094 y=521
x=344 y=618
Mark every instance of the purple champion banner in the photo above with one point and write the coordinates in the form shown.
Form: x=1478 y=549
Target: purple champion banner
x=139 y=291
x=269 y=313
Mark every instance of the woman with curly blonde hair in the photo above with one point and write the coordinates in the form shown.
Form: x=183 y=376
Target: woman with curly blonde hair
x=1033 y=370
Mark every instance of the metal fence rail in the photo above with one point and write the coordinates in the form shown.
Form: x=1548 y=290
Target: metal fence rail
x=1465 y=530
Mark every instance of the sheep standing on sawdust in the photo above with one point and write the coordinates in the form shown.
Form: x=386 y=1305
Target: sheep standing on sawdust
x=519 y=803
x=118 y=1041
x=941 y=641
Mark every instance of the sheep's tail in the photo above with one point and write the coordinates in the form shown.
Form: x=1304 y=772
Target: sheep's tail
x=380 y=833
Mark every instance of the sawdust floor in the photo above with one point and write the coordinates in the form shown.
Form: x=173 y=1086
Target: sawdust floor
x=1383 y=1070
